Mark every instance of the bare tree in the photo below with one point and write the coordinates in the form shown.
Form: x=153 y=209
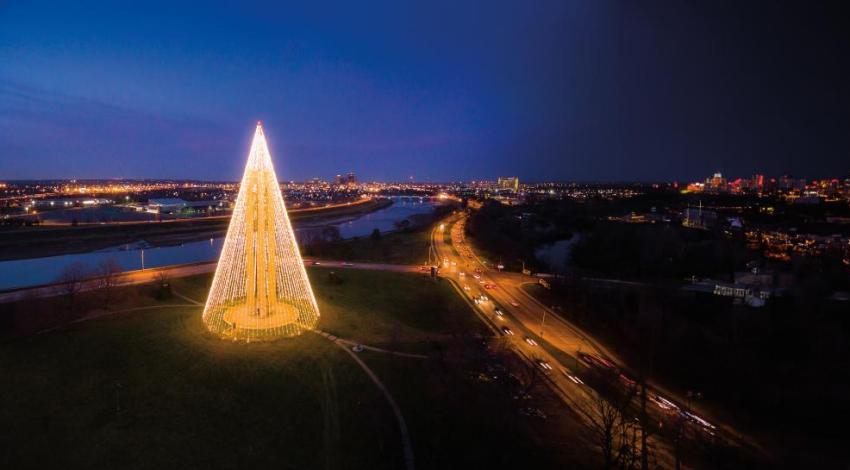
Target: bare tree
x=108 y=270
x=678 y=427
x=612 y=425
x=629 y=452
x=529 y=376
x=605 y=419
x=644 y=425
x=164 y=285
x=649 y=331
x=70 y=281
x=162 y=278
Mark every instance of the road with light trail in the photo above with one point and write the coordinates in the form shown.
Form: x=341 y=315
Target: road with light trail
x=524 y=313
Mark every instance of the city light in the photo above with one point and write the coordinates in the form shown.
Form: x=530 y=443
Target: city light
x=260 y=290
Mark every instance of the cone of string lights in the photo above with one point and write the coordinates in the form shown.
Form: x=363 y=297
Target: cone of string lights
x=260 y=290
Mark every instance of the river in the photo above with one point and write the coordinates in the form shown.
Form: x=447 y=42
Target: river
x=37 y=271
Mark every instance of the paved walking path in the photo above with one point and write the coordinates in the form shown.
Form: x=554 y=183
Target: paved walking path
x=144 y=276
x=407 y=447
x=107 y=313
x=346 y=346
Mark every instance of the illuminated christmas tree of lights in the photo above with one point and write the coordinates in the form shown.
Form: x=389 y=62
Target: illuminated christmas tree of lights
x=260 y=289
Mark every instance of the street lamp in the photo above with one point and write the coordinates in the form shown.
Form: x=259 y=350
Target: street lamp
x=542 y=322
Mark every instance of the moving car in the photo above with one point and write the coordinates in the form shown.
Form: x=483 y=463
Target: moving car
x=663 y=403
x=574 y=378
x=595 y=361
x=507 y=331
x=627 y=380
x=699 y=420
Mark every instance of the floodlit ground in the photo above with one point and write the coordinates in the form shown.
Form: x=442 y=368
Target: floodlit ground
x=151 y=388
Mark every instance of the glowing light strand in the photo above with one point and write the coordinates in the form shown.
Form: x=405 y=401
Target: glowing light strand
x=260 y=289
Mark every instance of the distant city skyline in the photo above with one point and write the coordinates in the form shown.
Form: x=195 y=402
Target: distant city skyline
x=717 y=179
x=550 y=90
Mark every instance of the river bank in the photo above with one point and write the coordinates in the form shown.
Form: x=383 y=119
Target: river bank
x=200 y=242
x=32 y=242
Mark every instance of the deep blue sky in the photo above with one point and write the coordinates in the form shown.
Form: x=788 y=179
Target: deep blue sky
x=441 y=90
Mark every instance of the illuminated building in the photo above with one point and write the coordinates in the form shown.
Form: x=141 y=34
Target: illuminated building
x=716 y=183
x=511 y=183
x=758 y=182
x=260 y=289
x=696 y=217
x=166 y=205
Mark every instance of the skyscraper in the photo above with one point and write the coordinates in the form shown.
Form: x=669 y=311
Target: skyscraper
x=260 y=289
x=511 y=183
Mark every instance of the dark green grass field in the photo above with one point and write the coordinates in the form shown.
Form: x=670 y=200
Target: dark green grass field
x=376 y=307
x=152 y=389
x=395 y=248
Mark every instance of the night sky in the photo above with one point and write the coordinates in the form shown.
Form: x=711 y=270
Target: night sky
x=546 y=90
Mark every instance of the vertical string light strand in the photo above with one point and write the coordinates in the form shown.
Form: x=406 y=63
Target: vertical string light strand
x=260 y=290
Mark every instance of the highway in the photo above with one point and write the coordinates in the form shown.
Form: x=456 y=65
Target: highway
x=521 y=315
x=526 y=317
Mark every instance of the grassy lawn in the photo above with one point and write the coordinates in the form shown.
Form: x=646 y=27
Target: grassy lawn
x=376 y=307
x=395 y=248
x=544 y=295
x=151 y=388
x=379 y=307
x=485 y=255
x=186 y=399
x=37 y=314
